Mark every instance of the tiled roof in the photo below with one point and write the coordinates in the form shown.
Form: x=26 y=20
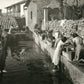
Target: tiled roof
x=16 y=3
x=40 y=3
x=27 y=3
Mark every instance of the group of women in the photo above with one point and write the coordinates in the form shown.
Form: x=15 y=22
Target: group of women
x=61 y=41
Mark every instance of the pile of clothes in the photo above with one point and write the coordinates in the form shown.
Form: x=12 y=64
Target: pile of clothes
x=67 y=26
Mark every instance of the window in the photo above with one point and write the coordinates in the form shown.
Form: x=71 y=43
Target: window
x=31 y=14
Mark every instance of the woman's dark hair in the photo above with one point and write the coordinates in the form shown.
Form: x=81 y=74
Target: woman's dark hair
x=36 y=26
x=12 y=25
x=74 y=35
x=64 y=39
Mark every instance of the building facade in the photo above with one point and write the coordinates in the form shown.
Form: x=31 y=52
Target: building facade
x=40 y=11
x=16 y=9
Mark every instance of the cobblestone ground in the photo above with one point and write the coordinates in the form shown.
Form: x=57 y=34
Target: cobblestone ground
x=34 y=68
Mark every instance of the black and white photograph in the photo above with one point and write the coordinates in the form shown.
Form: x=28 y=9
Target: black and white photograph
x=41 y=41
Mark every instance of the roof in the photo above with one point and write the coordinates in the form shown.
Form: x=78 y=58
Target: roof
x=27 y=3
x=38 y=2
x=16 y=4
x=53 y=4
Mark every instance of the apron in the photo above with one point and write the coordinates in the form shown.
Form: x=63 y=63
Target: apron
x=57 y=53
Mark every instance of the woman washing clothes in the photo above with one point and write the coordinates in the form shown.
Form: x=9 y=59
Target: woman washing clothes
x=58 y=52
x=78 y=46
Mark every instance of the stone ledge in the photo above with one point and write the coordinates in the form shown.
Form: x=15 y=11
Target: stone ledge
x=72 y=71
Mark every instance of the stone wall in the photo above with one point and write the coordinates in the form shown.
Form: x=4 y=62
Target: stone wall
x=72 y=70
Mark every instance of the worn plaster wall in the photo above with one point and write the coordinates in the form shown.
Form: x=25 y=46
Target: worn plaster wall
x=22 y=9
x=32 y=15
